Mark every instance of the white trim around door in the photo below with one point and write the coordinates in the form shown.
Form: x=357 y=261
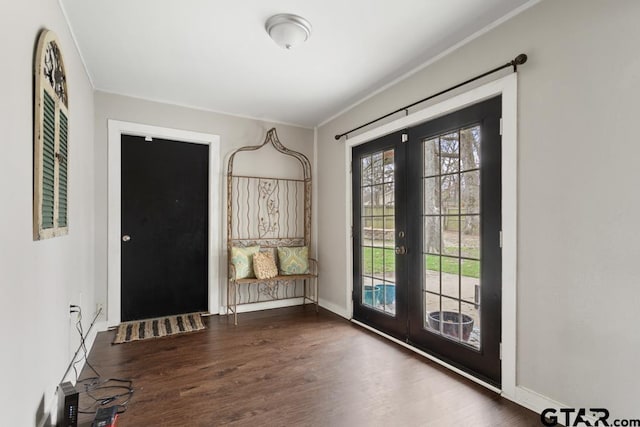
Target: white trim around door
x=507 y=87
x=115 y=131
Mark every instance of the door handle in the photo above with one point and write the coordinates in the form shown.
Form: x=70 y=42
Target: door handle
x=401 y=250
x=126 y=238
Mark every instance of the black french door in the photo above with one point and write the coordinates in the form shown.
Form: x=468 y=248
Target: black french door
x=427 y=219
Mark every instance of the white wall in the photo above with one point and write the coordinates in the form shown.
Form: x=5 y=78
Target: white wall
x=578 y=200
x=39 y=279
x=234 y=132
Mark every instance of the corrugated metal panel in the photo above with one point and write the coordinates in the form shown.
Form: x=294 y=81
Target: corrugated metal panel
x=48 y=160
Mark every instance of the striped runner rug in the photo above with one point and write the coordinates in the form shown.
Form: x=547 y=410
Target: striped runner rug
x=156 y=328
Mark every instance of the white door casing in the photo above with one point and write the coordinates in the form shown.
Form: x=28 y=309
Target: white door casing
x=115 y=131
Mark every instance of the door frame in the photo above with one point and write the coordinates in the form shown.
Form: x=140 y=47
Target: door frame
x=507 y=87
x=116 y=129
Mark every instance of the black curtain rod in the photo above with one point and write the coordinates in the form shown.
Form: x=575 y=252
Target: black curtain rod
x=518 y=60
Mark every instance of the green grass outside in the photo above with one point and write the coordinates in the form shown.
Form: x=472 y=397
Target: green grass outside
x=384 y=260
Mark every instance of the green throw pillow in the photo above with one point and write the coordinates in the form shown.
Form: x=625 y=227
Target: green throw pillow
x=293 y=260
x=242 y=260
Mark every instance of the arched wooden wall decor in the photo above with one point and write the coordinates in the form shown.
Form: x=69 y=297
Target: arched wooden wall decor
x=51 y=139
x=269 y=212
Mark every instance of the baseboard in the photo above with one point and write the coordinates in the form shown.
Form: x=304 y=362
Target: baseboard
x=265 y=305
x=534 y=400
x=334 y=308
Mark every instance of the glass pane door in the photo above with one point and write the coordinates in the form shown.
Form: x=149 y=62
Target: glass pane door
x=377 y=228
x=454 y=219
x=378 y=223
x=426 y=237
x=451 y=246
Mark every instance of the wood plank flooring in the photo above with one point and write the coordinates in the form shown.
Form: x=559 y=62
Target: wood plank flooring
x=292 y=367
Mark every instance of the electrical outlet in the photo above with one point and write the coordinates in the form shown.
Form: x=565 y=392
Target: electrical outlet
x=99 y=309
x=73 y=311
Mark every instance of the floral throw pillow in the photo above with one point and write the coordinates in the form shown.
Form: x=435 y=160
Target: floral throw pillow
x=293 y=260
x=242 y=260
x=264 y=265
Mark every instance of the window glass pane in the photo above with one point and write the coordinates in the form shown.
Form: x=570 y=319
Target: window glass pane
x=432 y=238
x=367 y=262
x=387 y=297
x=389 y=197
x=449 y=277
x=432 y=273
x=431 y=195
x=366 y=170
x=432 y=310
x=470 y=280
x=449 y=153
x=388 y=166
x=389 y=234
x=431 y=152
x=470 y=148
x=377 y=199
x=378 y=170
x=449 y=194
x=451 y=236
x=470 y=236
x=366 y=201
x=471 y=324
x=368 y=292
x=449 y=319
x=470 y=192
x=378 y=263
x=367 y=231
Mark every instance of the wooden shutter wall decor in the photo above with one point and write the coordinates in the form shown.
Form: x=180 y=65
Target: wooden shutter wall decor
x=51 y=140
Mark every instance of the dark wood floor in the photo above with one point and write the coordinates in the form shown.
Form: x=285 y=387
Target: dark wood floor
x=291 y=367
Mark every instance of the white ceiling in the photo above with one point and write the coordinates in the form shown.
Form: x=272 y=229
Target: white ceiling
x=216 y=55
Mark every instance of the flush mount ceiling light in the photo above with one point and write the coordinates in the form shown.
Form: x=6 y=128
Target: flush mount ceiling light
x=288 y=30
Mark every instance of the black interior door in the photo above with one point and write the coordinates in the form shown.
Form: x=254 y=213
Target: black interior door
x=164 y=210
x=427 y=217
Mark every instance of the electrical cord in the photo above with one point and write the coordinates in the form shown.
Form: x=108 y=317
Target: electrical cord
x=94 y=385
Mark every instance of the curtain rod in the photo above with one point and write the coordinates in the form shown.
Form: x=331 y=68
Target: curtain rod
x=518 y=60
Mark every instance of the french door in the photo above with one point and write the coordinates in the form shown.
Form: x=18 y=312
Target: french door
x=427 y=218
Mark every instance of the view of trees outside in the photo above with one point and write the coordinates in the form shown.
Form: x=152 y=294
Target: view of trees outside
x=451 y=186
x=378 y=230
x=451 y=194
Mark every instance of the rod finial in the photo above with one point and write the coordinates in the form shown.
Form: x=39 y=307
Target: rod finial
x=338 y=137
x=520 y=59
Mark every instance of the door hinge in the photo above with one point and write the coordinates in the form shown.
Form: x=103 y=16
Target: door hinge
x=405 y=137
x=500 y=238
x=352 y=231
x=500 y=351
x=500 y=125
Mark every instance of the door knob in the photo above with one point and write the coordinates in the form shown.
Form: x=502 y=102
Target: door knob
x=401 y=250
x=126 y=238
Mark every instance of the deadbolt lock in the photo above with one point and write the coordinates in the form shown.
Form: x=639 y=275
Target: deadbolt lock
x=126 y=238
x=401 y=250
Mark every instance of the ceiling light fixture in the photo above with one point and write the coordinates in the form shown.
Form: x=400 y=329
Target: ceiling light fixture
x=288 y=30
